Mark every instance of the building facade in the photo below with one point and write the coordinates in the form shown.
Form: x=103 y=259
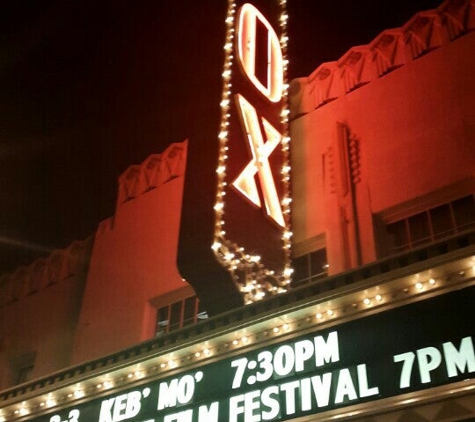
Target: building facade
x=377 y=324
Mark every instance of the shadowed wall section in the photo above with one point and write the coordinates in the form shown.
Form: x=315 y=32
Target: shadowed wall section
x=134 y=257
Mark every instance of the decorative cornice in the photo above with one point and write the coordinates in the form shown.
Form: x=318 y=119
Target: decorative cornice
x=155 y=171
x=390 y=50
x=44 y=272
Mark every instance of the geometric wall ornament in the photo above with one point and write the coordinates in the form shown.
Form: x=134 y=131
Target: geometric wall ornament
x=452 y=410
x=393 y=48
x=412 y=416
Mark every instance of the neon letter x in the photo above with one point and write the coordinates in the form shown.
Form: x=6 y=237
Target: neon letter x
x=260 y=150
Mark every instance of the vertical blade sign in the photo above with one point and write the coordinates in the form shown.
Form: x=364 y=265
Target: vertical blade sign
x=252 y=209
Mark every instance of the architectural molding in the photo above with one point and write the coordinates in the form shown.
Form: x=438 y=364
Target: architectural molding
x=309 y=245
x=433 y=199
x=391 y=49
x=44 y=272
x=155 y=171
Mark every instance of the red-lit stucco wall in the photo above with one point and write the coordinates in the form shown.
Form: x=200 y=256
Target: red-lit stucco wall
x=415 y=132
x=133 y=261
x=39 y=311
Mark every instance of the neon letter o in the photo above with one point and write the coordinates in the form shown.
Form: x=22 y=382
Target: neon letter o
x=247 y=23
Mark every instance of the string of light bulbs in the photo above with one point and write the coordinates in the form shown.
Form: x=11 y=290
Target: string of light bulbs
x=253 y=279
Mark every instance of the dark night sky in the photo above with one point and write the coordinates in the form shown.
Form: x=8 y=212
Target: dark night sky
x=89 y=87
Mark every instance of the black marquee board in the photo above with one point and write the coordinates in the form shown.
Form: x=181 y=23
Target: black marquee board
x=407 y=349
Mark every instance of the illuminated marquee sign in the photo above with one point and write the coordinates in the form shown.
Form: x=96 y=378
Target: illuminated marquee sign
x=252 y=235
x=412 y=348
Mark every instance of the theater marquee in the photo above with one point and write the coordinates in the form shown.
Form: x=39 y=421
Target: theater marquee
x=404 y=350
x=252 y=235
